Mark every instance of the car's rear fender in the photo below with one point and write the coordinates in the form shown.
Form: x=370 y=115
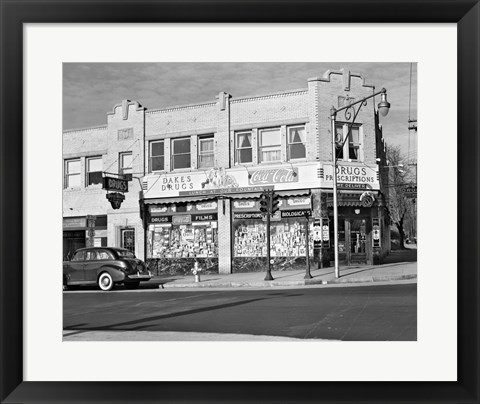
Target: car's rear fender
x=115 y=272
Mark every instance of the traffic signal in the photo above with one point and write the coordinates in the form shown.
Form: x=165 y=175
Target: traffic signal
x=275 y=204
x=264 y=203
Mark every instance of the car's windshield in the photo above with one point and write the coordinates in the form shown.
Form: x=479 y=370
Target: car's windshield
x=125 y=254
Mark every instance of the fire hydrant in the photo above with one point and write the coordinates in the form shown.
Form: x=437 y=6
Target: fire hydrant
x=196 y=271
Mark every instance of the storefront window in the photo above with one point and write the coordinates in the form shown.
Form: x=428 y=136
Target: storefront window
x=196 y=240
x=287 y=238
x=249 y=238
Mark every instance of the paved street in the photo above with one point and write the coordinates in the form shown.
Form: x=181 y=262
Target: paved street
x=362 y=313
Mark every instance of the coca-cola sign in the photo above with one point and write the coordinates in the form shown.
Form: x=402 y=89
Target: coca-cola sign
x=273 y=176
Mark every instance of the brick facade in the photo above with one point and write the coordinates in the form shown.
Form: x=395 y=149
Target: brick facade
x=130 y=128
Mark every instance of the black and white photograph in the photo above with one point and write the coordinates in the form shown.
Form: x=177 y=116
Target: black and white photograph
x=223 y=201
x=229 y=191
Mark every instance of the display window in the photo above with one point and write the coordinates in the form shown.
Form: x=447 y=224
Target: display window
x=196 y=240
x=249 y=238
x=287 y=238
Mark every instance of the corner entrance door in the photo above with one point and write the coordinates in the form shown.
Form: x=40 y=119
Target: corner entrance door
x=353 y=243
x=357 y=241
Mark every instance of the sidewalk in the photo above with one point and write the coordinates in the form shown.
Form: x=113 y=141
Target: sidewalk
x=391 y=272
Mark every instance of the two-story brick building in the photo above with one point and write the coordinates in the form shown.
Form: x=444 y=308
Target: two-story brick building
x=199 y=172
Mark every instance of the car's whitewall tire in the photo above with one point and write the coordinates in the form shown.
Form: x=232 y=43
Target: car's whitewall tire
x=105 y=281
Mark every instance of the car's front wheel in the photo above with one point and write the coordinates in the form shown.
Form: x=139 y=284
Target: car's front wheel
x=105 y=281
x=131 y=285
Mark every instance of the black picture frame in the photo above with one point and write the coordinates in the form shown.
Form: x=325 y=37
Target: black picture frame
x=465 y=13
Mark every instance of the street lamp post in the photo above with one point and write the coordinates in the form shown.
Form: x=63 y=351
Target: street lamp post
x=355 y=107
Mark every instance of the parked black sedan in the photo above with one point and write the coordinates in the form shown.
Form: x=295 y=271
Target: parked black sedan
x=104 y=266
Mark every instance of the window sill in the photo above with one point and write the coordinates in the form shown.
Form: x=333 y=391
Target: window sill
x=350 y=161
x=270 y=163
x=183 y=170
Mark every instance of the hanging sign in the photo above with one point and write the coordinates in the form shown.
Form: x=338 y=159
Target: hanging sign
x=115 y=184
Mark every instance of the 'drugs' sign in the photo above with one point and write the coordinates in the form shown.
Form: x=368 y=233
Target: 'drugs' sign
x=115 y=184
x=362 y=176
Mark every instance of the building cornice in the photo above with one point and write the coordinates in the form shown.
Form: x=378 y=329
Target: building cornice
x=280 y=94
x=126 y=103
x=342 y=72
x=91 y=129
x=180 y=107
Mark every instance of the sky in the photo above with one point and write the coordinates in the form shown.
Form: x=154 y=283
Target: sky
x=90 y=90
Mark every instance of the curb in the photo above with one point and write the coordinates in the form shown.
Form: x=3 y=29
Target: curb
x=369 y=279
x=264 y=284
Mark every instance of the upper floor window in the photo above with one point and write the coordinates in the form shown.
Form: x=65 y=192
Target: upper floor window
x=125 y=164
x=354 y=144
x=157 y=155
x=181 y=153
x=206 y=154
x=270 y=145
x=339 y=141
x=243 y=147
x=296 y=142
x=94 y=170
x=72 y=173
x=352 y=149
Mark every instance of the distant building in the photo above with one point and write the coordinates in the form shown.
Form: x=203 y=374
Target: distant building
x=198 y=172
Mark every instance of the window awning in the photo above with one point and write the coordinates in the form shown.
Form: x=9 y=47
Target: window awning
x=245 y=195
x=348 y=198
x=294 y=192
x=250 y=195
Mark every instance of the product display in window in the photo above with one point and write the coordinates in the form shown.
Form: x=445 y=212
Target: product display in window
x=287 y=239
x=184 y=241
x=249 y=239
